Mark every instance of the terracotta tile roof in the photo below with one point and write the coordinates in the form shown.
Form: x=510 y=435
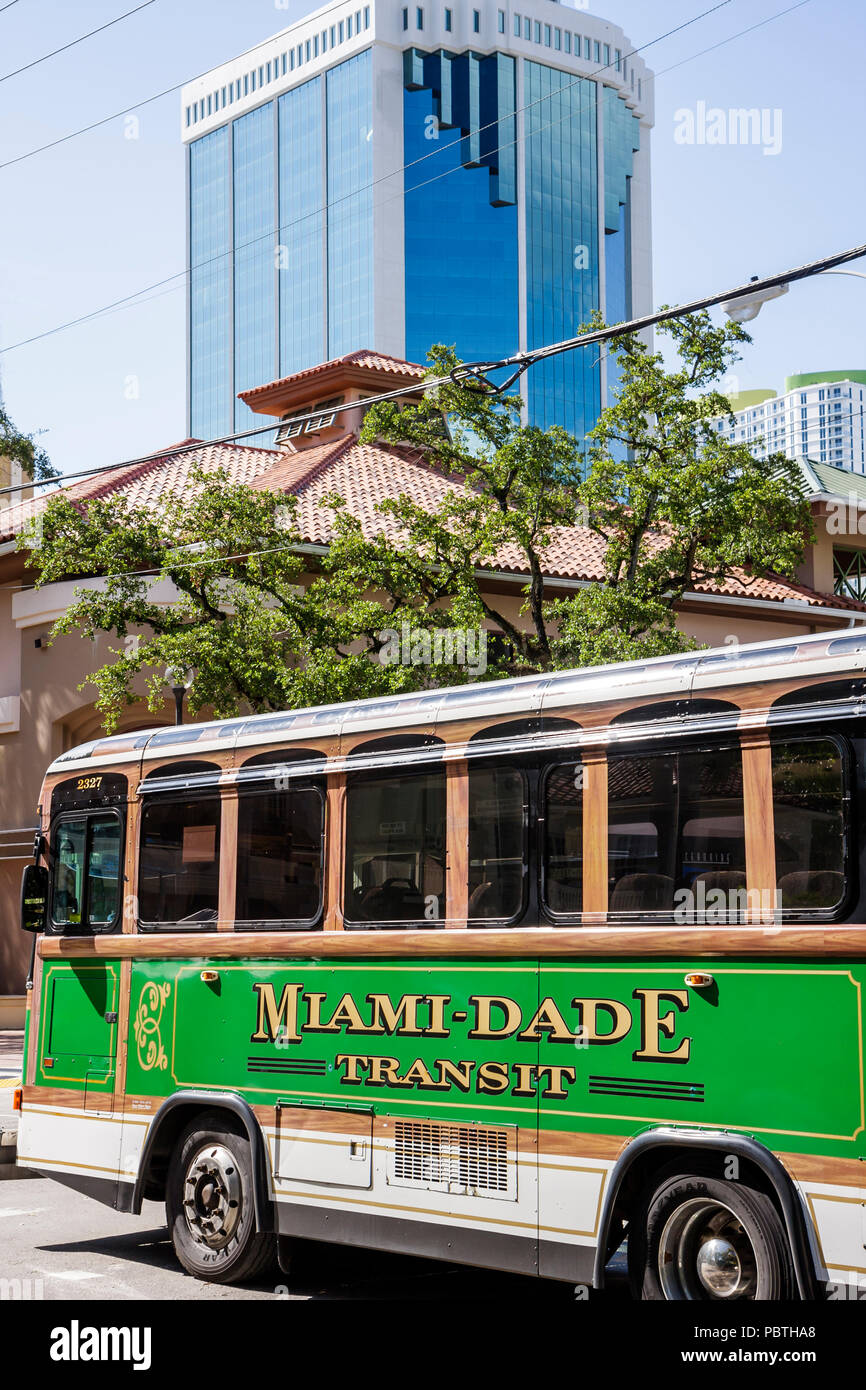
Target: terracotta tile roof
x=364 y=358
x=365 y=475
x=144 y=483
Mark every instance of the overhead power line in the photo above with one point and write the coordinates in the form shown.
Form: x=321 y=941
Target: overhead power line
x=519 y=361
x=740 y=34
x=475 y=373
x=167 y=91
x=72 y=44
x=327 y=207
x=269 y=236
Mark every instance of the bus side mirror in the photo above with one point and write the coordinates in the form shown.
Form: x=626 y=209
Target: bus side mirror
x=34 y=898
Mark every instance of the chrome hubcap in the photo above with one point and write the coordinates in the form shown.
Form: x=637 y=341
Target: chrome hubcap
x=719 y=1268
x=212 y=1196
x=705 y=1254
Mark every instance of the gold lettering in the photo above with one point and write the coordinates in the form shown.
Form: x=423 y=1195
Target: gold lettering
x=271 y=1017
x=458 y=1074
x=548 y=1019
x=484 y=1005
x=351 y=1064
x=525 y=1086
x=417 y=1075
x=437 y=1027
x=346 y=1016
x=556 y=1074
x=384 y=1071
x=653 y=1024
x=314 y=1022
x=492 y=1076
x=388 y=1018
x=589 y=1010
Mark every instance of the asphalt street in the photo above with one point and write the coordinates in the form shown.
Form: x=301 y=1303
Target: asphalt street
x=57 y=1244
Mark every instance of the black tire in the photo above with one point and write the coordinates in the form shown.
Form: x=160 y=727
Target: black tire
x=210 y=1204
x=697 y=1237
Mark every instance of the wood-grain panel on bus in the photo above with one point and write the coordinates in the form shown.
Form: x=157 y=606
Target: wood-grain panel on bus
x=543 y=943
x=595 y=882
x=758 y=810
x=457 y=860
x=839 y=1172
x=334 y=831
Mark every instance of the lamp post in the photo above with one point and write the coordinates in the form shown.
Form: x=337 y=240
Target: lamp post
x=174 y=678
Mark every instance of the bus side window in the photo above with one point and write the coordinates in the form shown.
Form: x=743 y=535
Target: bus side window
x=711 y=867
x=562 y=862
x=105 y=851
x=676 y=835
x=641 y=839
x=87 y=865
x=70 y=846
x=809 y=824
x=497 y=844
x=280 y=836
x=178 y=875
x=395 y=849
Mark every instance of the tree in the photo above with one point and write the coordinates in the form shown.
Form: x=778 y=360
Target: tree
x=254 y=638
x=665 y=502
x=671 y=503
x=23 y=449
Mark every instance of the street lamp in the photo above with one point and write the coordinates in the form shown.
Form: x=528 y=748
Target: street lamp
x=747 y=306
x=174 y=677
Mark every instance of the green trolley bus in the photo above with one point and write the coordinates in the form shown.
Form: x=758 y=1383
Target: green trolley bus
x=503 y=975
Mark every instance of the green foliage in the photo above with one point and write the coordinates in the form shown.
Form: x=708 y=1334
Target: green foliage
x=667 y=505
x=23 y=449
x=253 y=637
x=672 y=504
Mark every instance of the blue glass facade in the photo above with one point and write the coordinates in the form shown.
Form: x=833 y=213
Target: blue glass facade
x=301 y=257
x=621 y=141
x=350 y=205
x=210 y=285
x=562 y=252
x=282 y=228
x=460 y=214
x=280 y=242
x=253 y=211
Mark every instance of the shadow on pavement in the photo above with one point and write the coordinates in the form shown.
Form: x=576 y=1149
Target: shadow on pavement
x=324 y=1272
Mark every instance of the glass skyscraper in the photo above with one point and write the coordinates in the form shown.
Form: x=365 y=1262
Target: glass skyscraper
x=391 y=176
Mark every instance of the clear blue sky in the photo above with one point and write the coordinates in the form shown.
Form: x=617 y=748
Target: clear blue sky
x=103 y=215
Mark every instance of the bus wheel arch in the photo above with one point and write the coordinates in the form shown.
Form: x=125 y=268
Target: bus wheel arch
x=169 y=1123
x=210 y=1202
x=647 y=1159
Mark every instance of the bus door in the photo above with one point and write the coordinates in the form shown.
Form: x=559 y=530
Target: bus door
x=78 y=1036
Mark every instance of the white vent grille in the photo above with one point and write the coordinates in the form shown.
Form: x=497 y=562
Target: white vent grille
x=290 y=429
x=296 y=424
x=473 y=1160
x=321 y=422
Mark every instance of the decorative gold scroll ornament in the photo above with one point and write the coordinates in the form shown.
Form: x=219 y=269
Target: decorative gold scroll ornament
x=148 y=1016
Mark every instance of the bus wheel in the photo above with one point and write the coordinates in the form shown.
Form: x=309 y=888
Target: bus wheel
x=697 y=1238
x=210 y=1205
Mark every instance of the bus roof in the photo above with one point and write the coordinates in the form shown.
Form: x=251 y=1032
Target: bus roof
x=682 y=675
